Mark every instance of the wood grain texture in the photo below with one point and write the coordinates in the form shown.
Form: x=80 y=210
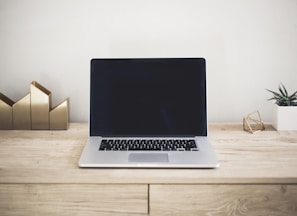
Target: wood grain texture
x=39 y=175
x=73 y=199
x=223 y=200
x=52 y=157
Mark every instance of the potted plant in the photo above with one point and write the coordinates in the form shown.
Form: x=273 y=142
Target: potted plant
x=285 y=109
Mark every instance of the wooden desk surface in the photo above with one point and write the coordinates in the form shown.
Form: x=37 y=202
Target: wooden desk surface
x=52 y=156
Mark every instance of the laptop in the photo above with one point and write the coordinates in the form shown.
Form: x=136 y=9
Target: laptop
x=148 y=113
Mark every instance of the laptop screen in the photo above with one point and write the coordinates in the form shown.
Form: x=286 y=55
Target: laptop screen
x=148 y=97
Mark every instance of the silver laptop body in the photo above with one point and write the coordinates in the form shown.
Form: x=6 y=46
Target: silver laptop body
x=148 y=112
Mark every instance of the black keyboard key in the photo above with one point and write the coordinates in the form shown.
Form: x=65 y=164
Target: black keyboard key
x=148 y=145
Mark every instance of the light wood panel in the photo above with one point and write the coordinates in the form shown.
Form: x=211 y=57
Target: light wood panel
x=52 y=156
x=73 y=199
x=223 y=200
x=39 y=175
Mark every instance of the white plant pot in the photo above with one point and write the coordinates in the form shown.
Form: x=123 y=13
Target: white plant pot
x=284 y=118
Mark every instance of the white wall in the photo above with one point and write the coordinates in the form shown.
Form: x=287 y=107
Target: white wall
x=249 y=45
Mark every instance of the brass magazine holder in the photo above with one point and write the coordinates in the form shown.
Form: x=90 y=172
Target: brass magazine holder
x=34 y=111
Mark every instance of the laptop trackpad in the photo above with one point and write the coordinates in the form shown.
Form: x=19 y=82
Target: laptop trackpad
x=148 y=157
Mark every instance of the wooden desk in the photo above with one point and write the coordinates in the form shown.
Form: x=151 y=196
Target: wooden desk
x=39 y=175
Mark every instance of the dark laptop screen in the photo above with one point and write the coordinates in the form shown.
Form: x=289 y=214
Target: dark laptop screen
x=148 y=97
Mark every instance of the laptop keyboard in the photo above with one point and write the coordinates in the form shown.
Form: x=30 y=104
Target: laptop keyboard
x=148 y=145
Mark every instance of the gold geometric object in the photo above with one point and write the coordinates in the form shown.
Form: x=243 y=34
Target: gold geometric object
x=40 y=106
x=59 y=116
x=5 y=112
x=21 y=113
x=253 y=122
x=34 y=111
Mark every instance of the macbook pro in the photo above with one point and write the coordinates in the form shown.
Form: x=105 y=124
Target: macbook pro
x=148 y=112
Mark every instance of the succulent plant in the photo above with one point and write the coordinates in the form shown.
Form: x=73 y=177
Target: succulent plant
x=282 y=98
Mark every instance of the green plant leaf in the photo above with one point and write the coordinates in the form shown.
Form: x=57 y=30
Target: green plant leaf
x=284 y=88
x=282 y=97
x=293 y=95
x=275 y=93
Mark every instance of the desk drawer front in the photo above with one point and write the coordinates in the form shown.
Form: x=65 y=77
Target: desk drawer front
x=73 y=199
x=223 y=200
